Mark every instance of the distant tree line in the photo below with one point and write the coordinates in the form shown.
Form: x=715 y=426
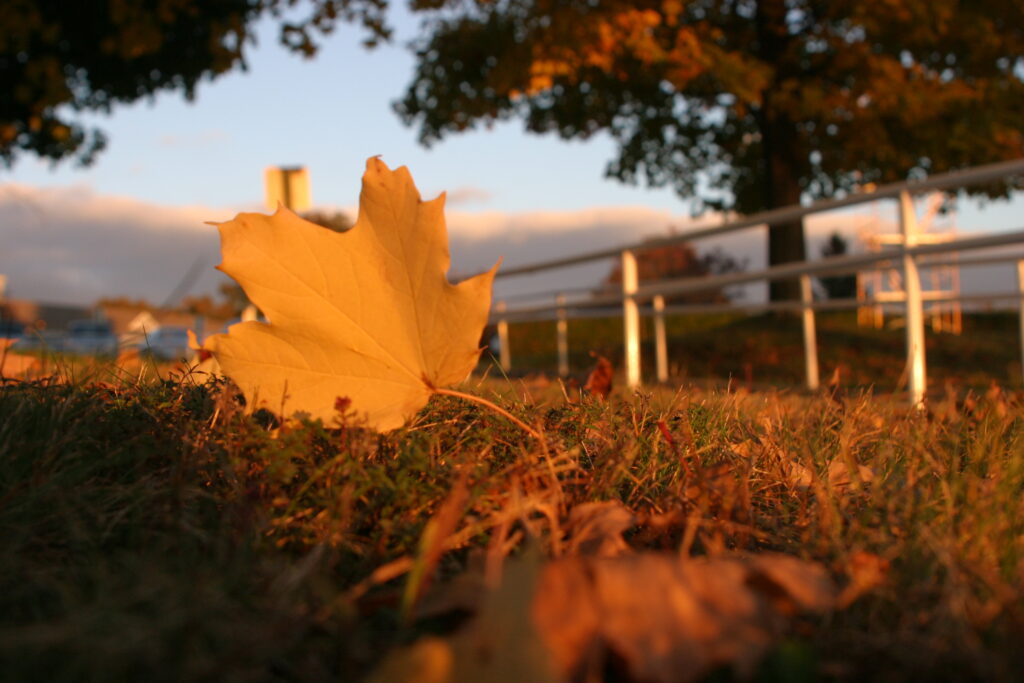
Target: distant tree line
x=678 y=261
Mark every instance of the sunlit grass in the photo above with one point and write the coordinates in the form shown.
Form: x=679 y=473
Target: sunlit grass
x=154 y=529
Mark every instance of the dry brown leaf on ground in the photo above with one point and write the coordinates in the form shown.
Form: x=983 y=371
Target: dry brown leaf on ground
x=599 y=381
x=18 y=367
x=721 y=490
x=866 y=572
x=840 y=477
x=129 y=360
x=500 y=645
x=203 y=363
x=649 y=617
x=366 y=314
x=665 y=619
x=797 y=475
x=597 y=528
x=13 y=365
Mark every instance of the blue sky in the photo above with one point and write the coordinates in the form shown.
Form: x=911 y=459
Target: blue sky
x=330 y=114
x=69 y=233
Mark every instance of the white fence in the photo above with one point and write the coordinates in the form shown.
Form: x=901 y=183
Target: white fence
x=648 y=299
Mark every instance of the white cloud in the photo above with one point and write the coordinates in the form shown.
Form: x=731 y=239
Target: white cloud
x=71 y=245
x=478 y=239
x=467 y=194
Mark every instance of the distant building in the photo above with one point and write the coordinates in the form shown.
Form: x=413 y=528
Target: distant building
x=287 y=185
x=127 y=320
x=137 y=320
x=42 y=316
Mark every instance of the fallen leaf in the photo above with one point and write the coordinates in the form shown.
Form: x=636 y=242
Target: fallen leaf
x=500 y=645
x=599 y=381
x=597 y=528
x=203 y=362
x=368 y=313
x=129 y=359
x=721 y=490
x=792 y=584
x=428 y=660
x=840 y=477
x=645 y=617
x=667 y=619
x=866 y=572
x=13 y=365
x=797 y=475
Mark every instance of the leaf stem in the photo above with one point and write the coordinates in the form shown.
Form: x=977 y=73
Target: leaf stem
x=495 y=407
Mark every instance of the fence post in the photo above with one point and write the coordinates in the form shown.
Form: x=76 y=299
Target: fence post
x=504 y=353
x=810 y=333
x=563 y=337
x=660 y=342
x=914 y=306
x=631 y=318
x=1020 y=303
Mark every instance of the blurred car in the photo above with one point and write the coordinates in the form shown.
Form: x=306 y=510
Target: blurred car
x=12 y=329
x=92 y=337
x=40 y=340
x=167 y=342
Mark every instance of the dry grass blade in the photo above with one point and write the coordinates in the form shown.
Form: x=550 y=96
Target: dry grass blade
x=432 y=544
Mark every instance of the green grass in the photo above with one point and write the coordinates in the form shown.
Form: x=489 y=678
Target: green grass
x=154 y=530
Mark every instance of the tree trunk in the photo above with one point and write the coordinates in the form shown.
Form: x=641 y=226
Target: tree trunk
x=781 y=150
x=782 y=188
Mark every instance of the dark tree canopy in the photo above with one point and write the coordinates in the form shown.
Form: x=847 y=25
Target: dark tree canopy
x=737 y=104
x=59 y=57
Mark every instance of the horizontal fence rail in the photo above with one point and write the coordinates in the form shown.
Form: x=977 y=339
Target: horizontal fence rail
x=636 y=300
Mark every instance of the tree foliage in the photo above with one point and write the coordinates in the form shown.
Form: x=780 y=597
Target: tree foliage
x=205 y=305
x=742 y=104
x=680 y=261
x=338 y=221
x=59 y=59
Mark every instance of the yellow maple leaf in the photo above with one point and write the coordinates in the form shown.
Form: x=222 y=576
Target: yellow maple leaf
x=367 y=314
